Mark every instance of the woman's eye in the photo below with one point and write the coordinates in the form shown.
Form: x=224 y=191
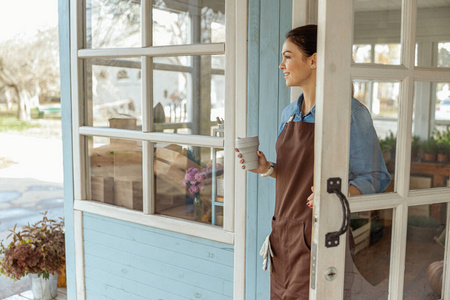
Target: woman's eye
x=287 y=57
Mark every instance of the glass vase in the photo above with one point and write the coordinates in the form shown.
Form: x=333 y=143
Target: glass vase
x=198 y=209
x=44 y=289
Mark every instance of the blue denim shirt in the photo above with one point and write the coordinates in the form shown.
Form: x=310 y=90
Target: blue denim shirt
x=367 y=170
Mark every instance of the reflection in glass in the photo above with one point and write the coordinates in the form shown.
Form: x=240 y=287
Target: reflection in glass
x=430 y=145
x=381 y=99
x=377 y=27
x=433 y=34
x=387 y=54
x=189 y=182
x=189 y=100
x=115 y=168
x=425 y=251
x=368 y=273
x=112 y=24
x=177 y=22
x=444 y=55
x=362 y=53
x=113 y=91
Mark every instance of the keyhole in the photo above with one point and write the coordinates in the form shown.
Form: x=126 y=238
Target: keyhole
x=330 y=273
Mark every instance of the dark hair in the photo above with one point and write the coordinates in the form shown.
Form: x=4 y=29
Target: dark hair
x=305 y=37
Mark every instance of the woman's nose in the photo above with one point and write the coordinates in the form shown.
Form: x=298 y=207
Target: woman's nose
x=281 y=66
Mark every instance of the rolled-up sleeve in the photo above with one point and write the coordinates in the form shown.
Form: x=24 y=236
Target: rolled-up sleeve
x=367 y=170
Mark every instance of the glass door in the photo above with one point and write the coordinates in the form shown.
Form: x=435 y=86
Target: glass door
x=393 y=57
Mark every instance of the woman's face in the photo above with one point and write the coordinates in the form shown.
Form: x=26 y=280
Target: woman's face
x=297 y=69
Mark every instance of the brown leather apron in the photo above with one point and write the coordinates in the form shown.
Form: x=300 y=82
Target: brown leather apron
x=291 y=224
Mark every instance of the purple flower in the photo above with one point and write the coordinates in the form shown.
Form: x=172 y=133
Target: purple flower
x=199 y=177
x=194 y=189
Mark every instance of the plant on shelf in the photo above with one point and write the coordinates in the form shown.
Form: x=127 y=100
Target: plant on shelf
x=416 y=144
x=443 y=145
x=387 y=146
x=38 y=250
x=430 y=148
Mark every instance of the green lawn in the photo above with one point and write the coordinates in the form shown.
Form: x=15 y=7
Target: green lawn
x=9 y=121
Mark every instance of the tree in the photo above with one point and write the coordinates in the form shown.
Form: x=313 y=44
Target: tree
x=29 y=70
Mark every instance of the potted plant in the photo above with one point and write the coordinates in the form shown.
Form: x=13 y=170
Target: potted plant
x=421 y=228
x=37 y=250
x=443 y=149
x=387 y=146
x=430 y=149
x=415 y=147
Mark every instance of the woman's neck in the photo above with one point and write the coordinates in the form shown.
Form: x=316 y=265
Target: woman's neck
x=309 y=99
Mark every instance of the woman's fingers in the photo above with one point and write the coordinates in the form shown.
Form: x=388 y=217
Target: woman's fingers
x=310 y=199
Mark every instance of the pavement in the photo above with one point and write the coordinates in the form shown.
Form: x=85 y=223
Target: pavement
x=31 y=182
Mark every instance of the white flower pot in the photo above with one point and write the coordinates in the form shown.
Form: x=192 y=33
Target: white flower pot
x=44 y=289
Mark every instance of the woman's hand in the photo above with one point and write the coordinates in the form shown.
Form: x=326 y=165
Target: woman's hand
x=310 y=199
x=352 y=191
x=264 y=165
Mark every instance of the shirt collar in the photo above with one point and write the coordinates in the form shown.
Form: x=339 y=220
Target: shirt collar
x=299 y=107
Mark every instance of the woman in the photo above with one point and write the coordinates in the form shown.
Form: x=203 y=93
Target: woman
x=290 y=239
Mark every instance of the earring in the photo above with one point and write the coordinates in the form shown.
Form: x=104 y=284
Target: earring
x=313 y=67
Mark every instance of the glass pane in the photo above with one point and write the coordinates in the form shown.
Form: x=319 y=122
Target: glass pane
x=115 y=168
x=177 y=22
x=362 y=53
x=113 y=93
x=368 y=275
x=189 y=100
x=444 y=55
x=377 y=26
x=113 y=24
x=189 y=182
x=381 y=100
x=387 y=54
x=425 y=251
x=385 y=99
x=430 y=146
x=432 y=34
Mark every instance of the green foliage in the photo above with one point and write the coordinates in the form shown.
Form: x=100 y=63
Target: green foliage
x=416 y=144
x=443 y=141
x=10 y=122
x=422 y=221
x=430 y=146
x=388 y=142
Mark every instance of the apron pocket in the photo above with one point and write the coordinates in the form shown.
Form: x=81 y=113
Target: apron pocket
x=298 y=256
x=279 y=255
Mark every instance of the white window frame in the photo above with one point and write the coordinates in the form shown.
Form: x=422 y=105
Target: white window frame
x=331 y=161
x=235 y=115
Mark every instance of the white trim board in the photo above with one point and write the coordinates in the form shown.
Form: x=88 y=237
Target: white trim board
x=196 y=229
x=160 y=51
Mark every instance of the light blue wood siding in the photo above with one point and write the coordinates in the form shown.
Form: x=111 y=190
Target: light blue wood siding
x=66 y=119
x=129 y=261
x=269 y=21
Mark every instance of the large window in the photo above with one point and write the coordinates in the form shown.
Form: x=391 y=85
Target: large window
x=153 y=121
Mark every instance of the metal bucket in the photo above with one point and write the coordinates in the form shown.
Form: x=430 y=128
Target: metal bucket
x=44 y=289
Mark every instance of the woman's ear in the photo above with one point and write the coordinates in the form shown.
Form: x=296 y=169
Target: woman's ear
x=313 y=59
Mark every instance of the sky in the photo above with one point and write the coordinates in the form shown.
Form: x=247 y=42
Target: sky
x=26 y=16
